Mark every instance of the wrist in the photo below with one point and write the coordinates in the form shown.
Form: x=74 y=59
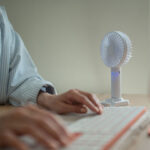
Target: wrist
x=41 y=99
x=44 y=92
x=45 y=100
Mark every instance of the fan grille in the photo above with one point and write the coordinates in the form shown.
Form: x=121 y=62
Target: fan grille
x=114 y=46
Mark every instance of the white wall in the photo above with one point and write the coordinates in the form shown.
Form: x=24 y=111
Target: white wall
x=63 y=38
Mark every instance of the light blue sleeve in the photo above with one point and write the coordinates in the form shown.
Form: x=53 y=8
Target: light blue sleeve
x=24 y=81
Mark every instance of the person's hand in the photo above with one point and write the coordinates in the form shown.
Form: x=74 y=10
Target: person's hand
x=42 y=125
x=71 y=101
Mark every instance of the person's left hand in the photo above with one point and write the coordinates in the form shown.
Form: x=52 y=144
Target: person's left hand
x=72 y=101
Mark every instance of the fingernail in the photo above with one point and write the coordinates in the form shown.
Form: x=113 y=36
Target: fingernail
x=83 y=110
x=97 y=110
x=101 y=108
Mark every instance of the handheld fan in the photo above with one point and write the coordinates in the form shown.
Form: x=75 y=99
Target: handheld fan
x=115 y=51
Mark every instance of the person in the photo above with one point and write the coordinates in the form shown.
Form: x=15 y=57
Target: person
x=20 y=84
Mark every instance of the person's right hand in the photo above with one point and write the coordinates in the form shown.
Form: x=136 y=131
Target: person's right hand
x=38 y=123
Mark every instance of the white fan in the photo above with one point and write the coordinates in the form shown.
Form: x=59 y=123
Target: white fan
x=115 y=51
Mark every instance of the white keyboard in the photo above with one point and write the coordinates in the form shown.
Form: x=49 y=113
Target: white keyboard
x=100 y=132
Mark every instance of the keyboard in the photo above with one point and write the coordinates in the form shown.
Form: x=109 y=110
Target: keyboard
x=101 y=132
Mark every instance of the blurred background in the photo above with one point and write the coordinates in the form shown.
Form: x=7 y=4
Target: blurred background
x=64 y=36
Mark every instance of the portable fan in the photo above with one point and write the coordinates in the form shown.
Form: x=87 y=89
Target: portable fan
x=115 y=51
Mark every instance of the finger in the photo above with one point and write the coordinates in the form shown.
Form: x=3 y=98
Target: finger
x=11 y=140
x=94 y=99
x=58 y=121
x=75 y=95
x=67 y=108
x=44 y=121
x=40 y=136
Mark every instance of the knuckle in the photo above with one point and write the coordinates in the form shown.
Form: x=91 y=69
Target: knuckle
x=39 y=120
x=76 y=90
x=71 y=92
x=83 y=99
x=92 y=96
x=42 y=121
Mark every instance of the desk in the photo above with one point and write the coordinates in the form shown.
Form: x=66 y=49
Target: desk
x=143 y=141
x=135 y=99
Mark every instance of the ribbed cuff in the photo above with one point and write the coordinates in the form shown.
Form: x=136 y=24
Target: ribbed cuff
x=28 y=92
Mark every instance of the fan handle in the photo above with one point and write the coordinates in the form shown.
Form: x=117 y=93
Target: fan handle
x=115 y=83
x=116 y=99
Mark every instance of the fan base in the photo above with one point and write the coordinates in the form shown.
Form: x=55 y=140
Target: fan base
x=115 y=102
